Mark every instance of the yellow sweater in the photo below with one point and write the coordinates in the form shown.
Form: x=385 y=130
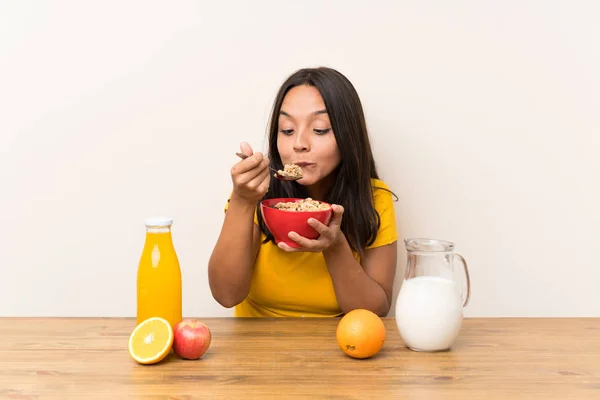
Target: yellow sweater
x=298 y=284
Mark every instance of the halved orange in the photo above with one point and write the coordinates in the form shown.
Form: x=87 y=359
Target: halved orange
x=151 y=340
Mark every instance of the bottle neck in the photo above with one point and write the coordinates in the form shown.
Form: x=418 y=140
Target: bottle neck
x=158 y=229
x=158 y=236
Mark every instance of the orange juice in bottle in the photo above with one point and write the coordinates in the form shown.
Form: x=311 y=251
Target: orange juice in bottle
x=159 y=274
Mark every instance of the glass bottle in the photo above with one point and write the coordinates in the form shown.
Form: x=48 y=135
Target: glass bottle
x=159 y=274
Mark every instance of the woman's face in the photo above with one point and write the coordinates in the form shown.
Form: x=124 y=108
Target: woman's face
x=305 y=137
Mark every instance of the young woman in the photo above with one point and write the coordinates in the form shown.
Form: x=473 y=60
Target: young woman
x=318 y=124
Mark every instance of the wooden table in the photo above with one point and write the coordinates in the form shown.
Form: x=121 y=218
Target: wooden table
x=87 y=358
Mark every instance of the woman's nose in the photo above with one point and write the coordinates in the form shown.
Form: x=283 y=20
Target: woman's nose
x=302 y=141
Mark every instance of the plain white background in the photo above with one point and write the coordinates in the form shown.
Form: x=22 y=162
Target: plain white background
x=483 y=115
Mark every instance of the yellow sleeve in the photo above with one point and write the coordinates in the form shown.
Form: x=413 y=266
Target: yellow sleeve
x=384 y=205
x=255 y=210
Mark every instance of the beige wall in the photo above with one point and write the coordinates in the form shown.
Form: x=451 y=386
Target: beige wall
x=484 y=117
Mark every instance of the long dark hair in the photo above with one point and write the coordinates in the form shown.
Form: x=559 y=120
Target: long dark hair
x=352 y=187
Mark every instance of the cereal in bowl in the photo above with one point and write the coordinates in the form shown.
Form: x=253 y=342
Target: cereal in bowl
x=307 y=204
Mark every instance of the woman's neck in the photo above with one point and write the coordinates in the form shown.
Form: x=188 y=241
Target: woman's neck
x=319 y=190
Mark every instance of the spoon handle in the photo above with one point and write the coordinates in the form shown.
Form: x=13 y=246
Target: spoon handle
x=243 y=156
x=283 y=178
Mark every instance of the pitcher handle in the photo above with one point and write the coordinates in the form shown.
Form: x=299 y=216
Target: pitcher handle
x=468 y=295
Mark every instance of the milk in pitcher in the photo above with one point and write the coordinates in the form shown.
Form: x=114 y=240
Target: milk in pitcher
x=429 y=313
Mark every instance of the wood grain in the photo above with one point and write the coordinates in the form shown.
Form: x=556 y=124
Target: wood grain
x=87 y=358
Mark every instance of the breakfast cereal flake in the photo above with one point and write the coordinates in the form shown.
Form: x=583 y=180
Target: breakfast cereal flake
x=290 y=171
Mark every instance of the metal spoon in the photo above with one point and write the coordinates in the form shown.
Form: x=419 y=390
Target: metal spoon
x=283 y=178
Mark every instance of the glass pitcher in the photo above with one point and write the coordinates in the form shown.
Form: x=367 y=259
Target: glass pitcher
x=429 y=307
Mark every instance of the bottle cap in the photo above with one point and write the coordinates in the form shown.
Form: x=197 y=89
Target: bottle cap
x=158 y=221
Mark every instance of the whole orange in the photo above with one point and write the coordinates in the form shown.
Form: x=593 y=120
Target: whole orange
x=360 y=333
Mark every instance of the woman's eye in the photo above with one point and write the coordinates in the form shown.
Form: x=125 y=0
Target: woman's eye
x=286 y=131
x=321 y=131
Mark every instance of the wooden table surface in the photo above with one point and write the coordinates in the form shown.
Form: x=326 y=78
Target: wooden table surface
x=87 y=358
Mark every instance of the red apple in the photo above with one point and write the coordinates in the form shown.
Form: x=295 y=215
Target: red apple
x=191 y=339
